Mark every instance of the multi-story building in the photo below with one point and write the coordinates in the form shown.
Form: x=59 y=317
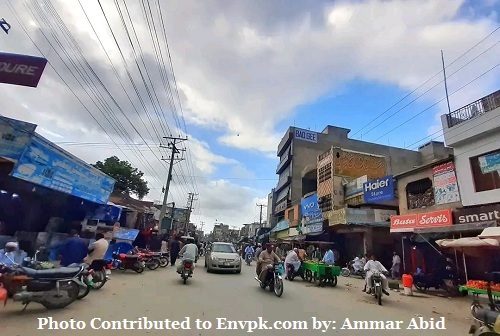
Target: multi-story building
x=474 y=133
x=271 y=204
x=299 y=150
x=220 y=231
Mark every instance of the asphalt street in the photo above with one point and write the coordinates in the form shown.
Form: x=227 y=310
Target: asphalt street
x=160 y=295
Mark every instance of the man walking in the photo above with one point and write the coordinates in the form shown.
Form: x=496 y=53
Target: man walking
x=396 y=266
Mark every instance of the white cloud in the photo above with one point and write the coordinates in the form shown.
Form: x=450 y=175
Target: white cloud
x=241 y=69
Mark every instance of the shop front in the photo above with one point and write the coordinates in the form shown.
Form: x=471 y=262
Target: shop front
x=280 y=231
x=360 y=231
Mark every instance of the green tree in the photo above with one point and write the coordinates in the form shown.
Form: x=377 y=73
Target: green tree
x=128 y=179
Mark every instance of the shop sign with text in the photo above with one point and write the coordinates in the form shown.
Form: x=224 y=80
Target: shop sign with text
x=355 y=186
x=305 y=135
x=21 y=70
x=487 y=213
x=338 y=217
x=314 y=228
x=407 y=223
x=379 y=190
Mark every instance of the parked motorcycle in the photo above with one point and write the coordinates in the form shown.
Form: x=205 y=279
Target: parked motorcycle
x=349 y=270
x=124 y=262
x=151 y=259
x=446 y=280
x=248 y=258
x=101 y=272
x=187 y=270
x=274 y=279
x=54 y=288
x=291 y=272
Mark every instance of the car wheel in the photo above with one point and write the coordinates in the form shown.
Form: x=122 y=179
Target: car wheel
x=238 y=271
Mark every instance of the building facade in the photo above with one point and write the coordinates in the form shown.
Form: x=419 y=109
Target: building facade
x=300 y=148
x=474 y=133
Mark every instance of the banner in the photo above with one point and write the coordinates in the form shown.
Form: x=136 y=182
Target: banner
x=47 y=165
x=21 y=70
x=379 y=190
x=445 y=184
x=311 y=213
x=15 y=136
x=407 y=223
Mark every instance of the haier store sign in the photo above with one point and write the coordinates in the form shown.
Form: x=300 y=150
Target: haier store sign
x=379 y=190
x=306 y=135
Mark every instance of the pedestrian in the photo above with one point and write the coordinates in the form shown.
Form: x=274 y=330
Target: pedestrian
x=396 y=266
x=175 y=247
x=74 y=250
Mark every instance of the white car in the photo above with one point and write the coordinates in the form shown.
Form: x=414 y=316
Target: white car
x=223 y=257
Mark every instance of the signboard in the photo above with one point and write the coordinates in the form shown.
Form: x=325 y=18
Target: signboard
x=407 y=223
x=282 y=225
x=281 y=206
x=126 y=234
x=310 y=210
x=178 y=214
x=313 y=228
x=282 y=234
x=15 y=135
x=305 y=135
x=445 y=184
x=338 y=192
x=338 y=217
x=49 y=166
x=379 y=190
x=490 y=163
x=384 y=215
x=478 y=214
x=21 y=70
x=106 y=213
x=355 y=186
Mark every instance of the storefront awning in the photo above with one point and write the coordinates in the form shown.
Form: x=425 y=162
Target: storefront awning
x=295 y=238
x=454 y=228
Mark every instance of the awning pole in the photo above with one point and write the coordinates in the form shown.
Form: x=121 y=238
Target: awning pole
x=456 y=256
x=465 y=266
x=403 y=248
x=428 y=242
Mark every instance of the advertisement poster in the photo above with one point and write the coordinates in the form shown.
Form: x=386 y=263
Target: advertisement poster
x=21 y=70
x=445 y=184
x=15 y=135
x=490 y=163
x=44 y=164
x=126 y=234
x=311 y=214
x=379 y=190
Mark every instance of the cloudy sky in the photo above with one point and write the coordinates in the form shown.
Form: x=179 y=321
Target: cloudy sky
x=244 y=71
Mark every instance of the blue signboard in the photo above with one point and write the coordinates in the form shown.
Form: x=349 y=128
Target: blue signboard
x=311 y=213
x=126 y=234
x=282 y=225
x=107 y=213
x=45 y=164
x=490 y=163
x=15 y=136
x=379 y=190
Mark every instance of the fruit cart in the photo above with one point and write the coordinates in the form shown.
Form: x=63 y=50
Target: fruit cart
x=321 y=273
x=478 y=287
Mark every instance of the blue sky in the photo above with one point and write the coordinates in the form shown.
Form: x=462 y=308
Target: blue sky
x=245 y=72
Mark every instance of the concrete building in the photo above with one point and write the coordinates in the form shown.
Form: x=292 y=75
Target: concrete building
x=271 y=204
x=474 y=133
x=299 y=149
x=220 y=232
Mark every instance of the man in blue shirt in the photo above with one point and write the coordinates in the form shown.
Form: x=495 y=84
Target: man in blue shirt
x=249 y=250
x=74 y=250
x=329 y=258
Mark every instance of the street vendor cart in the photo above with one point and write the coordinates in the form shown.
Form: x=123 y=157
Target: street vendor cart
x=321 y=273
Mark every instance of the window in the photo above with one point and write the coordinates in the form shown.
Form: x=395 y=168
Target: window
x=223 y=248
x=290 y=215
x=484 y=173
x=420 y=194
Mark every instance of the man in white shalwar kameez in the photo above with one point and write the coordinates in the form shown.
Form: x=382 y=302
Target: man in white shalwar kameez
x=292 y=258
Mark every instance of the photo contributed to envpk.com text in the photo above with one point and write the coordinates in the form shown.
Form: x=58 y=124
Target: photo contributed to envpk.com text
x=256 y=325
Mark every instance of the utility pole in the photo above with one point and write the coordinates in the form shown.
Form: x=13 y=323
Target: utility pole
x=172 y=145
x=191 y=199
x=201 y=226
x=261 y=206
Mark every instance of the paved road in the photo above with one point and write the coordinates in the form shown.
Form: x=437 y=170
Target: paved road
x=160 y=295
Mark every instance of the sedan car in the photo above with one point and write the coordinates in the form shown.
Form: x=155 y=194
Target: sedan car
x=223 y=257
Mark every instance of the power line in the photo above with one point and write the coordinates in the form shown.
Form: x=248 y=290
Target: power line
x=427 y=81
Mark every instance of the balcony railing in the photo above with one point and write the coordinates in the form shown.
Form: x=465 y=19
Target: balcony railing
x=284 y=163
x=475 y=109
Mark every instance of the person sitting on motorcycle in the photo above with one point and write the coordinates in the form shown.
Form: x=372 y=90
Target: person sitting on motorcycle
x=372 y=266
x=249 y=250
x=258 y=250
x=293 y=259
x=188 y=252
x=12 y=255
x=357 y=265
x=266 y=257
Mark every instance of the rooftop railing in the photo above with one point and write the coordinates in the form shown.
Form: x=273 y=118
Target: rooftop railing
x=475 y=109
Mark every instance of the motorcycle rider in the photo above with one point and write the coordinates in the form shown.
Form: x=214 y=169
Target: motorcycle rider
x=266 y=257
x=249 y=250
x=98 y=249
x=258 y=251
x=292 y=258
x=12 y=254
x=188 y=251
x=373 y=265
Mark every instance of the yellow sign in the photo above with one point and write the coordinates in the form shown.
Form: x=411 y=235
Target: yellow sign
x=282 y=234
x=338 y=217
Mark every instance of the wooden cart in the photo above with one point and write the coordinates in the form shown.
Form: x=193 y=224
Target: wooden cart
x=321 y=273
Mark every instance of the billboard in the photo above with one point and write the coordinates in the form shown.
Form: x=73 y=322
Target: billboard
x=178 y=214
x=106 y=213
x=15 y=135
x=45 y=164
x=379 y=190
x=408 y=223
x=311 y=214
x=305 y=135
x=445 y=184
x=21 y=70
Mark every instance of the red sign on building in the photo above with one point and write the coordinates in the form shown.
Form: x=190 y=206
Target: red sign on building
x=21 y=70
x=407 y=223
